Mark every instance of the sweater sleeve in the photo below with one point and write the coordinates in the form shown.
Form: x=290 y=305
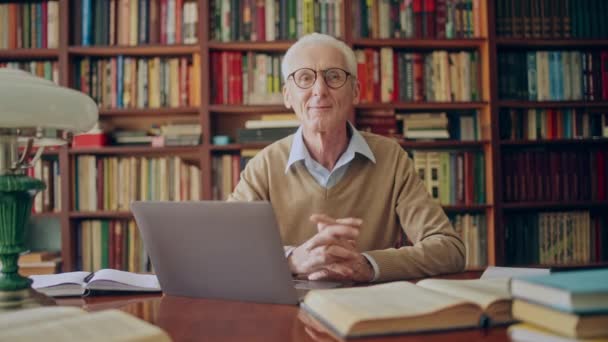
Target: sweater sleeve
x=436 y=246
x=253 y=183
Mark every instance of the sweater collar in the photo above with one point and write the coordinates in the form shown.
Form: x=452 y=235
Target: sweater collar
x=357 y=144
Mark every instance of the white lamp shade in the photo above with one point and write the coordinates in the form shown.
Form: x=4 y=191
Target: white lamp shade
x=27 y=101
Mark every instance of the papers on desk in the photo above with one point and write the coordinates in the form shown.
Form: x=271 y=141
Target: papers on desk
x=83 y=283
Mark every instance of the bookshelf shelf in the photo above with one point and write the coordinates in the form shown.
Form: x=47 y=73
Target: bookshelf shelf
x=274 y=46
x=466 y=208
x=140 y=50
x=552 y=104
x=544 y=142
x=413 y=106
x=127 y=150
x=148 y=111
x=237 y=147
x=549 y=43
x=100 y=214
x=420 y=44
x=50 y=214
x=29 y=54
x=248 y=109
x=446 y=144
x=555 y=205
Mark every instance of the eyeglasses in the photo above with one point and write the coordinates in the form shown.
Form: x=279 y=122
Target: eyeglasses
x=305 y=78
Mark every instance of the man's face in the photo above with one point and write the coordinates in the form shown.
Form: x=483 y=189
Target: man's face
x=320 y=108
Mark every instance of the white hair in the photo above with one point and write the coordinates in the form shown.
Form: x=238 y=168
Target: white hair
x=319 y=39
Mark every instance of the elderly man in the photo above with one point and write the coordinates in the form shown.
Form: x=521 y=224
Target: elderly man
x=342 y=198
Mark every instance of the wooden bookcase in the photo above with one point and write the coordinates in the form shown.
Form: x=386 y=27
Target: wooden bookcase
x=488 y=107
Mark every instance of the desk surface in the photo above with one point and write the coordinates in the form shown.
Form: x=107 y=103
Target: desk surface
x=188 y=319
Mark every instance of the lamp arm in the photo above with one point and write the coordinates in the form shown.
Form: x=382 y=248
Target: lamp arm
x=22 y=164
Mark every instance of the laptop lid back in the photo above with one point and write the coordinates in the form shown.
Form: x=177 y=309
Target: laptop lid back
x=212 y=249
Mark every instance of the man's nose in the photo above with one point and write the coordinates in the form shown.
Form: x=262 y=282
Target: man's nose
x=319 y=88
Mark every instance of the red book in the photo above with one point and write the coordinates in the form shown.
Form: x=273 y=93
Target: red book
x=418 y=19
x=163 y=21
x=441 y=18
x=90 y=140
x=179 y=21
x=261 y=20
x=429 y=9
x=118 y=245
x=418 y=77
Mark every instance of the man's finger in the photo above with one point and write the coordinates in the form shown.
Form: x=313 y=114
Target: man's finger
x=331 y=236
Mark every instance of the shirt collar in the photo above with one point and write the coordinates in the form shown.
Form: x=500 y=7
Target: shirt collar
x=357 y=144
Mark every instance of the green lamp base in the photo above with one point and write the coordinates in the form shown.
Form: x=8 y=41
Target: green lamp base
x=16 y=196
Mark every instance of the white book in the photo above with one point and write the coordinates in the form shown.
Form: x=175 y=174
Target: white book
x=252 y=124
x=83 y=283
x=62 y=323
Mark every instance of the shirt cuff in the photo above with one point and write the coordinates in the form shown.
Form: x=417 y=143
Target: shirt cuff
x=288 y=250
x=374 y=266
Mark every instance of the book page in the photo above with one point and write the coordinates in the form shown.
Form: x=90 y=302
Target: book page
x=108 y=279
x=31 y=317
x=396 y=299
x=482 y=292
x=108 y=325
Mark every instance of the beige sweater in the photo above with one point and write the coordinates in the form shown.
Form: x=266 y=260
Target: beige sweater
x=388 y=195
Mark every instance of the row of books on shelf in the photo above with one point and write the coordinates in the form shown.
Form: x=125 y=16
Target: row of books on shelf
x=111 y=183
x=551 y=19
x=473 y=232
x=29 y=25
x=47 y=170
x=534 y=124
x=553 y=75
x=134 y=22
x=569 y=237
x=226 y=172
x=46 y=69
x=462 y=126
x=171 y=134
x=555 y=175
x=386 y=75
x=246 y=78
x=452 y=178
x=268 y=20
x=417 y=19
x=127 y=82
x=113 y=244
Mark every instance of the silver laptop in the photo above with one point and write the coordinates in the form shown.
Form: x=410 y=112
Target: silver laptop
x=223 y=250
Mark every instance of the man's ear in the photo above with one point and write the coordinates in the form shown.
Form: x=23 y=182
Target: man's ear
x=286 y=97
x=356 y=92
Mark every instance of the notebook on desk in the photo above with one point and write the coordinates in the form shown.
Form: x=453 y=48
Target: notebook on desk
x=222 y=250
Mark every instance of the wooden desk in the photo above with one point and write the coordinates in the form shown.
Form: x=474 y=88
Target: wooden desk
x=193 y=319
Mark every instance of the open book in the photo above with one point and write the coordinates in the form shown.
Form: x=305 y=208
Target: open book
x=403 y=307
x=59 y=323
x=83 y=283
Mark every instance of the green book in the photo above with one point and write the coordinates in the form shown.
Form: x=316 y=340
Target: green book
x=581 y=292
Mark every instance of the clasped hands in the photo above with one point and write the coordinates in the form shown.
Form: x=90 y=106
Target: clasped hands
x=331 y=254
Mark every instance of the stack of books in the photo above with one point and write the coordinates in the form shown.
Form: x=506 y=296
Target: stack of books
x=569 y=306
x=268 y=128
x=425 y=125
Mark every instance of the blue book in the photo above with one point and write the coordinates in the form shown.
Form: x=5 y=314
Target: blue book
x=86 y=22
x=532 y=86
x=119 y=81
x=580 y=292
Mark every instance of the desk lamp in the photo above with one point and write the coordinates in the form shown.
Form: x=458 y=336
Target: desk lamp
x=35 y=113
